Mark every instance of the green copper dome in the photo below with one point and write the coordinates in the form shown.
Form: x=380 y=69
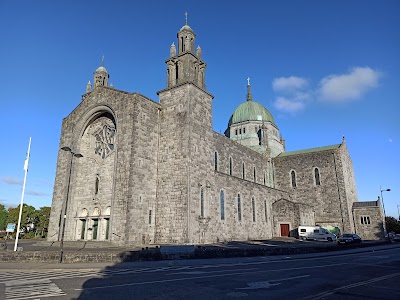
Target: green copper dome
x=250 y=111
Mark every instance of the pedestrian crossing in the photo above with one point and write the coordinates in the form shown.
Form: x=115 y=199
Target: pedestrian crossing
x=38 y=284
x=31 y=289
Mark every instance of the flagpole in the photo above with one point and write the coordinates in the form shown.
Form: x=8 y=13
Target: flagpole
x=23 y=193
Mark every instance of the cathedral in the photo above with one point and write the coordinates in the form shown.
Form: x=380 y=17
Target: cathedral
x=134 y=171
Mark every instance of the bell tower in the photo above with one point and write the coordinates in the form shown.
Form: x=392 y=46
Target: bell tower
x=101 y=75
x=185 y=135
x=186 y=65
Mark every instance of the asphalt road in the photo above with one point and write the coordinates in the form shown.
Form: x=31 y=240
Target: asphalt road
x=371 y=274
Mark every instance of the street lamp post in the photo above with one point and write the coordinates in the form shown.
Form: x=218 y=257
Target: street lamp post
x=384 y=213
x=64 y=208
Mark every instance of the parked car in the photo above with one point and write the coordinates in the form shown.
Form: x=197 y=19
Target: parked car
x=396 y=238
x=349 y=238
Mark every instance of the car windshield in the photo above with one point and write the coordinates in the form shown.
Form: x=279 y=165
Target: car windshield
x=347 y=235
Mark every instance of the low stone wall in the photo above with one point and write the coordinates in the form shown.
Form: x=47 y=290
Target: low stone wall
x=155 y=253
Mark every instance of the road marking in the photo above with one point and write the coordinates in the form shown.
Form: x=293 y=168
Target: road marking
x=202 y=277
x=28 y=289
x=349 y=286
x=208 y=272
x=267 y=284
x=258 y=285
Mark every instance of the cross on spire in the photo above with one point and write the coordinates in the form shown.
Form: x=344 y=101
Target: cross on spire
x=248 y=97
x=102 y=61
x=186 y=18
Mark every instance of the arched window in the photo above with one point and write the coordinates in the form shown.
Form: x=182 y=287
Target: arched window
x=264 y=178
x=254 y=174
x=316 y=176
x=239 y=204
x=293 y=178
x=202 y=202
x=243 y=172
x=216 y=161
x=222 y=204
x=230 y=166
x=253 y=207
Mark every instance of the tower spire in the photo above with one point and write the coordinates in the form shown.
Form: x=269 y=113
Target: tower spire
x=249 y=97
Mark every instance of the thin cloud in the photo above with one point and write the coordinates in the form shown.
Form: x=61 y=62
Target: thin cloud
x=390 y=140
x=35 y=193
x=11 y=180
x=288 y=105
x=289 y=84
x=347 y=87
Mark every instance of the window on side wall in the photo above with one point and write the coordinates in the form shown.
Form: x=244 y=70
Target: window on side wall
x=293 y=179
x=222 y=204
x=317 y=177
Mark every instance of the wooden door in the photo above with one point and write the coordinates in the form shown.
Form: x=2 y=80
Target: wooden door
x=284 y=229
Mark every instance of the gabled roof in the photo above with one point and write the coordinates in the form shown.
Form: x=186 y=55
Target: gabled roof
x=310 y=150
x=366 y=204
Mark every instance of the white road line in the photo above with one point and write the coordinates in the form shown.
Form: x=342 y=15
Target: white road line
x=208 y=272
x=202 y=277
x=290 y=278
x=349 y=286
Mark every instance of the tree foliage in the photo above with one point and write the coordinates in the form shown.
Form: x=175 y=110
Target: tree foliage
x=392 y=225
x=28 y=216
x=33 y=222
x=43 y=218
x=3 y=217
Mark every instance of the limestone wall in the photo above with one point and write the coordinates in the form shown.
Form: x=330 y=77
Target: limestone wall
x=127 y=186
x=368 y=222
x=329 y=199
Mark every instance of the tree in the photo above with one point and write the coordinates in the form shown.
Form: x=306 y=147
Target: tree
x=29 y=216
x=43 y=217
x=392 y=225
x=3 y=217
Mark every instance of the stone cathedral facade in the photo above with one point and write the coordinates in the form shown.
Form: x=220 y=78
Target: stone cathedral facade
x=156 y=172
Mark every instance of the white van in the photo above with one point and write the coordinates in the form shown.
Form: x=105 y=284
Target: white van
x=316 y=233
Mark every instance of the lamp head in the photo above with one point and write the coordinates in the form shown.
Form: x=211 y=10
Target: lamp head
x=66 y=148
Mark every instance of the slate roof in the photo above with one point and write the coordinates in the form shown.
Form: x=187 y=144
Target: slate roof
x=310 y=150
x=365 y=204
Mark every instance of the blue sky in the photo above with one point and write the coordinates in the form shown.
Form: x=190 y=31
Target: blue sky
x=323 y=68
